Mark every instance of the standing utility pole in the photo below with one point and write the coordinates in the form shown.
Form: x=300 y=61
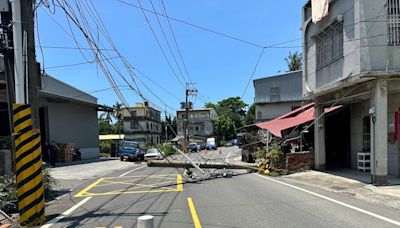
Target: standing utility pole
x=19 y=76
x=25 y=118
x=188 y=92
x=166 y=125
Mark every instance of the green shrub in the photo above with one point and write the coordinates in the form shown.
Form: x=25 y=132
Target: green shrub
x=273 y=174
x=274 y=154
x=8 y=194
x=8 y=191
x=49 y=183
x=168 y=149
x=105 y=146
x=261 y=154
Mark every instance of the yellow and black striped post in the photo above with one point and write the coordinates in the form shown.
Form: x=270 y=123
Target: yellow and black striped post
x=28 y=159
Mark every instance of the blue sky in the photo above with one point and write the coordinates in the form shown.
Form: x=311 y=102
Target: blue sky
x=220 y=66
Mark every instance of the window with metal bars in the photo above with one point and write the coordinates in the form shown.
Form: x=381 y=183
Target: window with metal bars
x=275 y=94
x=329 y=45
x=394 y=22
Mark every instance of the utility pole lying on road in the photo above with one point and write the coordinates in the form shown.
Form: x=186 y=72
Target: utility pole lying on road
x=202 y=165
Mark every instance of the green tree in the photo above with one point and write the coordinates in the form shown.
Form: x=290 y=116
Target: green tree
x=105 y=127
x=251 y=114
x=231 y=115
x=234 y=108
x=117 y=115
x=224 y=128
x=294 y=61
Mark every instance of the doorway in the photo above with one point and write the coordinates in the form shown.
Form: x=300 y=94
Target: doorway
x=337 y=139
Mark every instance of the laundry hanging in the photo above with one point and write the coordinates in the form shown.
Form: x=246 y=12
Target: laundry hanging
x=320 y=9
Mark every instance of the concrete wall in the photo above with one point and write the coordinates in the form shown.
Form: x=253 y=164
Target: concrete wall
x=74 y=123
x=270 y=111
x=357 y=112
x=365 y=47
x=197 y=118
x=140 y=134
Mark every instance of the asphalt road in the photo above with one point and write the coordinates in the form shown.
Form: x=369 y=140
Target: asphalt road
x=245 y=200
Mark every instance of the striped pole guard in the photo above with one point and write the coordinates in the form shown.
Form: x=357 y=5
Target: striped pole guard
x=28 y=159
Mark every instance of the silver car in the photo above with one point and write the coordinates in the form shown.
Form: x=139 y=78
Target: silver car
x=153 y=154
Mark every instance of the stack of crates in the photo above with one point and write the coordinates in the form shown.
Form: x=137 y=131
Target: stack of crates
x=64 y=153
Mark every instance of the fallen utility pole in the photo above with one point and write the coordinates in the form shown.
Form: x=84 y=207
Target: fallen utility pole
x=194 y=165
x=202 y=165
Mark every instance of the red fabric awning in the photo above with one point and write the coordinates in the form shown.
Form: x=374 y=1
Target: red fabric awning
x=299 y=116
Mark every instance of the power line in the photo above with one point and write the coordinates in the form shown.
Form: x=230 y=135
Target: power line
x=80 y=63
x=193 y=25
x=71 y=48
x=166 y=40
x=159 y=45
x=254 y=71
x=175 y=41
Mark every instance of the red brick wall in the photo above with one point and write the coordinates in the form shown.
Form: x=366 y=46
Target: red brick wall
x=299 y=161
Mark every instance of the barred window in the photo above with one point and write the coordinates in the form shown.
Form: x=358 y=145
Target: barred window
x=134 y=125
x=275 y=94
x=366 y=133
x=329 y=45
x=394 y=22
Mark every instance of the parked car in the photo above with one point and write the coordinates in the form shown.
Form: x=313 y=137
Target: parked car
x=202 y=146
x=228 y=144
x=193 y=147
x=231 y=142
x=153 y=154
x=130 y=150
x=210 y=144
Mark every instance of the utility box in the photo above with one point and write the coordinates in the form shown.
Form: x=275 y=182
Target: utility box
x=4 y=7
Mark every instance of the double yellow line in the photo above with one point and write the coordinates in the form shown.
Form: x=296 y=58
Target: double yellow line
x=195 y=218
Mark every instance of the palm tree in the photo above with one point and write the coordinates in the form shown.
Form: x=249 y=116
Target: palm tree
x=117 y=115
x=294 y=61
x=107 y=116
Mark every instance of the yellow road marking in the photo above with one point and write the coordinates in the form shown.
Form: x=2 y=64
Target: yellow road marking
x=110 y=181
x=179 y=186
x=127 y=192
x=195 y=218
x=84 y=191
x=150 y=176
x=133 y=183
x=139 y=186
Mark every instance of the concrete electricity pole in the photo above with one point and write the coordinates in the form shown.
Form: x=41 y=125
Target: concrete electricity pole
x=188 y=92
x=166 y=125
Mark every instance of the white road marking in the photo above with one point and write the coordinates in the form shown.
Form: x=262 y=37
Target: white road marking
x=133 y=170
x=66 y=213
x=397 y=223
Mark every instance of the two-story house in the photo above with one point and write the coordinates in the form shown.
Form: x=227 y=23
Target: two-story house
x=142 y=124
x=278 y=94
x=200 y=123
x=352 y=58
